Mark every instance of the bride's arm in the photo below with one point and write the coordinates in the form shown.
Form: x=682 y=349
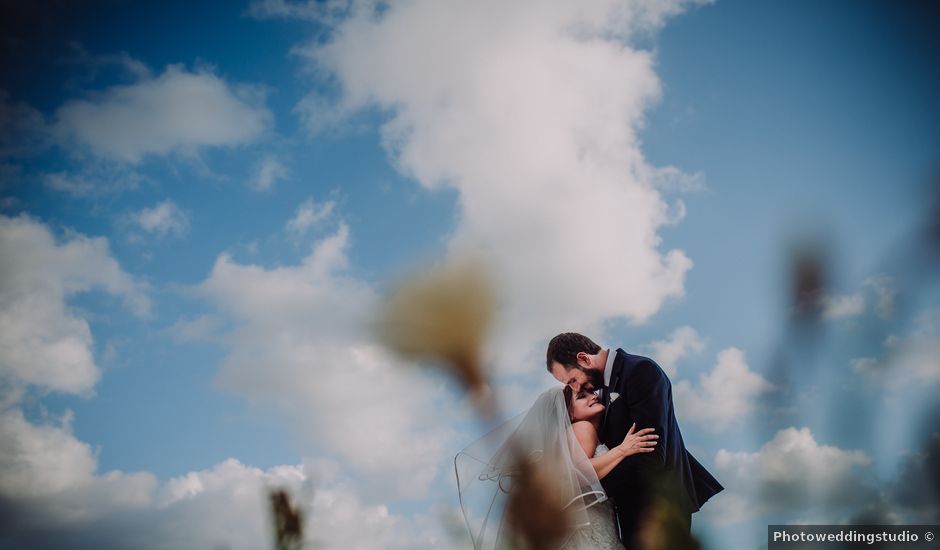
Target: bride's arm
x=635 y=442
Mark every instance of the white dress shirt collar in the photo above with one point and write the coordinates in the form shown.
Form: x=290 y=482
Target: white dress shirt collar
x=609 y=367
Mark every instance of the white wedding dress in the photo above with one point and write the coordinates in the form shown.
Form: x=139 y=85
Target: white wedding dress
x=486 y=470
x=601 y=534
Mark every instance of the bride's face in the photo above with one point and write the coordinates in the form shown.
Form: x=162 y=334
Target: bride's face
x=585 y=405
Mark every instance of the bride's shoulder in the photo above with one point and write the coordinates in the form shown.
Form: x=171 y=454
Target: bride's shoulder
x=586 y=435
x=584 y=428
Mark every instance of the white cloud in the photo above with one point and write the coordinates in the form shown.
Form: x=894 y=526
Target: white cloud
x=51 y=493
x=178 y=111
x=23 y=129
x=86 y=66
x=790 y=474
x=723 y=397
x=323 y=11
x=914 y=359
x=324 y=117
x=227 y=504
x=835 y=307
x=684 y=341
x=163 y=219
x=269 y=172
x=303 y=345
x=308 y=214
x=914 y=490
x=205 y=328
x=51 y=496
x=345 y=521
x=882 y=286
x=868 y=367
x=48 y=478
x=40 y=460
x=530 y=110
x=672 y=179
x=64 y=182
x=852 y=305
x=93 y=179
x=42 y=341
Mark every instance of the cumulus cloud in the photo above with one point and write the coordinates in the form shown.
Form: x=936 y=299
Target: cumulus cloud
x=43 y=342
x=163 y=219
x=77 y=186
x=269 y=172
x=917 y=488
x=682 y=342
x=531 y=111
x=51 y=496
x=791 y=474
x=322 y=117
x=204 y=328
x=312 y=10
x=93 y=179
x=723 y=397
x=45 y=463
x=177 y=111
x=672 y=179
x=23 y=129
x=886 y=294
x=40 y=460
x=303 y=345
x=849 y=305
x=913 y=359
x=87 y=66
x=51 y=492
x=308 y=214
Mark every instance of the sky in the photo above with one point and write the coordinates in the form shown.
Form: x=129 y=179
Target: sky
x=202 y=207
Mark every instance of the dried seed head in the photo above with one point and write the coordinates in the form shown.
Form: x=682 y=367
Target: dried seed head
x=442 y=315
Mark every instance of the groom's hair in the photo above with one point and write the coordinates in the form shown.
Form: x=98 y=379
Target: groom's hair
x=565 y=348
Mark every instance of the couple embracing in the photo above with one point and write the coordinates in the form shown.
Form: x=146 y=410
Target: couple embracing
x=612 y=444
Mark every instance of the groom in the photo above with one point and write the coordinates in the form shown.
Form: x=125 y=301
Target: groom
x=634 y=389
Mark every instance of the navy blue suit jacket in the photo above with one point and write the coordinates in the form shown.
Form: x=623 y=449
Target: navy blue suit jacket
x=645 y=397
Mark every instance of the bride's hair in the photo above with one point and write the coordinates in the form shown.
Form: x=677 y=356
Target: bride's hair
x=569 y=400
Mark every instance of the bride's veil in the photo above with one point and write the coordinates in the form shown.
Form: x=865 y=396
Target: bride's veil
x=485 y=469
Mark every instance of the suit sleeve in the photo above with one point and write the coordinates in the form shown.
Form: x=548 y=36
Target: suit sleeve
x=650 y=401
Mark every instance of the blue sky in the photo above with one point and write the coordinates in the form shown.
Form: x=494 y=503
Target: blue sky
x=202 y=207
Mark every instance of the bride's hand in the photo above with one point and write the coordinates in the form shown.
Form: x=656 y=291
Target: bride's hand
x=635 y=442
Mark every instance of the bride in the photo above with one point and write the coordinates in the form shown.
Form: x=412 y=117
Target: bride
x=559 y=432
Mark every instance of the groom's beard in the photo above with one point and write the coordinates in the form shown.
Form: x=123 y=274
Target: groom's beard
x=595 y=378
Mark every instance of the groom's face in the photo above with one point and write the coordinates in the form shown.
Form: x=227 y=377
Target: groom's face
x=578 y=378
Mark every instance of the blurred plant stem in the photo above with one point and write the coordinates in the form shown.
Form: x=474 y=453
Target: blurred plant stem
x=534 y=514
x=665 y=529
x=288 y=521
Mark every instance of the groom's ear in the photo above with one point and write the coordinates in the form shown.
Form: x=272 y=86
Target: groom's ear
x=582 y=356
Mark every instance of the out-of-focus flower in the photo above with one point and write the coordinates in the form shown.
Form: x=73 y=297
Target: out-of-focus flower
x=442 y=315
x=535 y=513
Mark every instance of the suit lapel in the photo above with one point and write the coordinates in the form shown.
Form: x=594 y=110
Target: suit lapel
x=615 y=369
